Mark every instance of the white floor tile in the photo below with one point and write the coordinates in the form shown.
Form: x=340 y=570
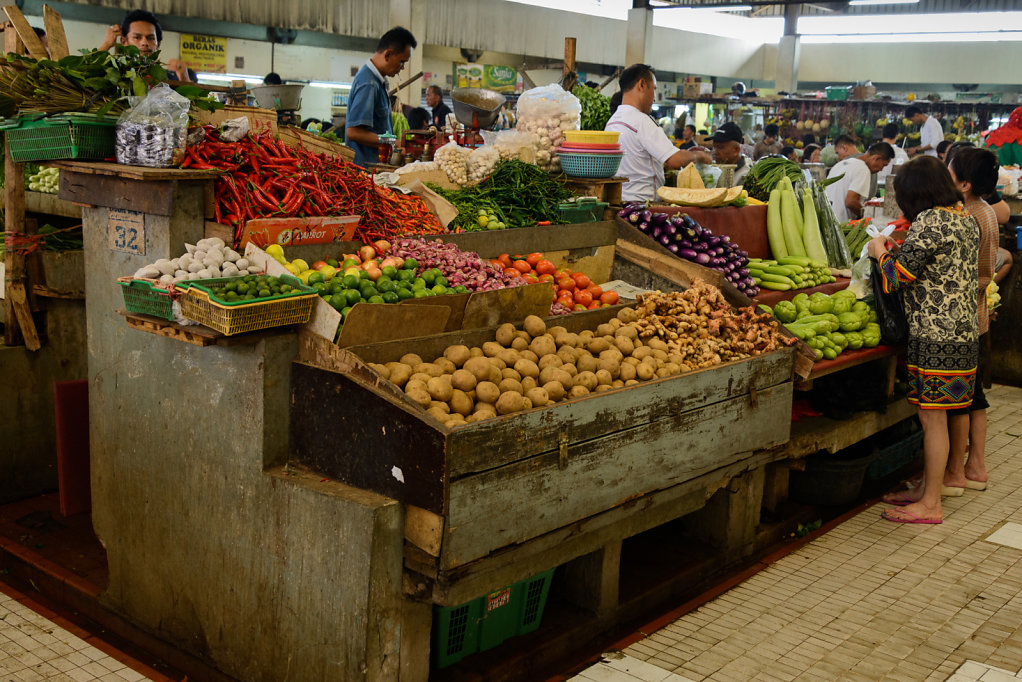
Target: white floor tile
x=634 y=667
x=601 y=672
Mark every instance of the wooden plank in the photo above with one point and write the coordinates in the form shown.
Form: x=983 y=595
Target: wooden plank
x=14 y=221
x=134 y=172
x=118 y=192
x=853 y=358
x=56 y=37
x=47 y=292
x=51 y=204
x=528 y=498
x=424 y=529
x=528 y=239
x=812 y=435
x=364 y=439
x=510 y=564
x=26 y=33
x=493 y=308
x=497 y=442
x=171 y=331
x=15 y=292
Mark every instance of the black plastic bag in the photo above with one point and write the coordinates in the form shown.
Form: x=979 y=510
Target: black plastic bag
x=890 y=310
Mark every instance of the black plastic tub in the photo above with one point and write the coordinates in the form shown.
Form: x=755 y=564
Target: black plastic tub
x=831 y=479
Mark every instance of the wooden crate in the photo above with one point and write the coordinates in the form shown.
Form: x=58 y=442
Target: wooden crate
x=507 y=480
x=259 y=120
x=296 y=137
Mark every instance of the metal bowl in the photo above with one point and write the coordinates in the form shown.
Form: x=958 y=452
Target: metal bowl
x=278 y=97
x=478 y=103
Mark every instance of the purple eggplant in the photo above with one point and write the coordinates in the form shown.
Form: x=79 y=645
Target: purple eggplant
x=655 y=231
x=665 y=239
x=673 y=248
x=688 y=254
x=647 y=215
x=699 y=246
x=713 y=241
x=702 y=258
x=684 y=243
x=643 y=227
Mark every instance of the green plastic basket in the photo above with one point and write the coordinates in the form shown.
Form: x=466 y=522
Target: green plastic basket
x=141 y=296
x=235 y=317
x=486 y=621
x=585 y=210
x=68 y=136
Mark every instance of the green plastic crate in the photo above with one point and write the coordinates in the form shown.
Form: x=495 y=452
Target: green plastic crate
x=67 y=136
x=140 y=296
x=585 y=210
x=838 y=92
x=486 y=621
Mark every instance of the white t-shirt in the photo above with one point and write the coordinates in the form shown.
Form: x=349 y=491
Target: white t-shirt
x=856 y=179
x=900 y=157
x=931 y=134
x=646 y=147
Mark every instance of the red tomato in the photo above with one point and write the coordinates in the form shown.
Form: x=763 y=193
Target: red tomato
x=594 y=305
x=578 y=306
x=530 y=278
x=566 y=301
x=546 y=277
x=521 y=266
x=534 y=258
x=559 y=274
x=596 y=290
x=609 y=297
x=497 y=263
x=511 y=272
x=566 y=283
x=583 y=296
x=581 y=280
x=505 y=260
x=545 y=267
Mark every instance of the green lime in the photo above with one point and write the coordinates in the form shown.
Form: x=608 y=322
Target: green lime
x=363 y=274
x=419 y=283
x=242 y=288
x=327 y=298
x=410 y=264
x=405 y=275
x=332 y=262
x=375 y=299
x=286 y=289
x=350 y=281
x=428 y=277
x=421 y=293
x=264 y=293
x=460 y=289
x=389 y=297
x=368 y=290
x=349 y=263
x=441 y=280
x=439 y=289
x=389 y=271
x=335 y=287
x=231 y=286
x=404 y=294
x=352 y=296
x=382 y=286
x=338 y=302
x=345 y=311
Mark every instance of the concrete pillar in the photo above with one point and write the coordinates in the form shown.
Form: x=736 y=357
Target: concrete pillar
x=412 y=15
x=788 y=50
x=638 y=46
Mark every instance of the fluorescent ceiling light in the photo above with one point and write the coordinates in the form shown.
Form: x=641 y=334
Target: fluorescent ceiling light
x=883 y=2
x=729 y=8
x=934 y=24
x=891 y=38
x=228 y=77
x=328 y=84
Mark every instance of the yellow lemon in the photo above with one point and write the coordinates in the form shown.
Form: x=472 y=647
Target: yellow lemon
x=290 y=267
x=328 y=272
x=304 y=276
x=276 y=251
x=300 y=264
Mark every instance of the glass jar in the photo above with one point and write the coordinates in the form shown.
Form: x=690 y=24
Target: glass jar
x=385 y=148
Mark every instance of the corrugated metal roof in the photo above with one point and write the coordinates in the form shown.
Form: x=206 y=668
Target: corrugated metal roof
x=827 y=8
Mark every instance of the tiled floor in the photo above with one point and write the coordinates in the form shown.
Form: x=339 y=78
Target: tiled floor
x=870 y=600
x=33 y=647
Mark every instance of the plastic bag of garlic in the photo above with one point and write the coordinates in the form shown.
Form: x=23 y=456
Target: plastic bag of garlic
x=548 y=111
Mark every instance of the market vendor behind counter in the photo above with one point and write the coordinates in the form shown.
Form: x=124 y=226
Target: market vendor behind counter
x=647 y=149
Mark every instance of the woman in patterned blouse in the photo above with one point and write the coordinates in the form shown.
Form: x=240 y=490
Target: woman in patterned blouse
x=937 y=271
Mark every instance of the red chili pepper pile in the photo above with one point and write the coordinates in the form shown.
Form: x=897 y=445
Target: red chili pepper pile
x=265 y=178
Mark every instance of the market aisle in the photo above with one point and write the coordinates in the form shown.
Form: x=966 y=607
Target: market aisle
x=869 y=600
x=33 y=647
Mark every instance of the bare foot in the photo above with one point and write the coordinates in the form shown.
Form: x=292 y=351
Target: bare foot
x=923 y=512
x=980 y=476
x=903 y=497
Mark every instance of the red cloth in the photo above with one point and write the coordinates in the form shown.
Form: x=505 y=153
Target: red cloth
x=1008 y=133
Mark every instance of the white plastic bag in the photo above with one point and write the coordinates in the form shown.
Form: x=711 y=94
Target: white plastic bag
x=452 y=159
x=517 y=144
x=860 y=282
x=481 y=161
x=548 y=111
x=154 y=130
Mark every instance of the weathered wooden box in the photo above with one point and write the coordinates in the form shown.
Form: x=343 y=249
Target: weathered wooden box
x=507 y=480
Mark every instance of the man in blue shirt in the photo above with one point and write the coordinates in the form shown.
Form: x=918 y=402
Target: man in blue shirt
x=368 y=103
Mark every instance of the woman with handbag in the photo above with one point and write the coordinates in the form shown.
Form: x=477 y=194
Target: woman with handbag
x=936 y=269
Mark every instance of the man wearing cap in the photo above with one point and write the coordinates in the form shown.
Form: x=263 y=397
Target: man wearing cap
x=647 y=149
x=727 y=148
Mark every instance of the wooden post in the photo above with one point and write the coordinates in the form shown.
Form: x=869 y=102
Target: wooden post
x=18 y=322
x=56 y=38
x=27 y=34
x=570 y=78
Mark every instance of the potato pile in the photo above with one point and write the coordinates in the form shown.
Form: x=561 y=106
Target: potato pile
x=530 y=367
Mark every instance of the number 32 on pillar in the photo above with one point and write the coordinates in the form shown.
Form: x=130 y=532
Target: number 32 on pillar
x=126 y=231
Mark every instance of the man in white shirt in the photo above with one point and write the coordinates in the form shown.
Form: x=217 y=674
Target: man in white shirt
x=890 y=136
x=646 y=147
x=848 y=194
x=930 y=132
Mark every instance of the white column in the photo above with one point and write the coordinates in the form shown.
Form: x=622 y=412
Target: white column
x=412 y=15
x=788 y=51
x=638 y=45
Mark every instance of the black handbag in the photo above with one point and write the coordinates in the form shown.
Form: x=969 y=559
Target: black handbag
x=890 y=310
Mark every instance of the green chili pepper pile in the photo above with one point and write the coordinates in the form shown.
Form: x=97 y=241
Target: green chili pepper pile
x=518 y=193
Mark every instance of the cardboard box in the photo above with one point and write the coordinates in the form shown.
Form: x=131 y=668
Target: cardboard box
x=259 y=120
x=696 y=89
x=287 y=231
x=864 y=92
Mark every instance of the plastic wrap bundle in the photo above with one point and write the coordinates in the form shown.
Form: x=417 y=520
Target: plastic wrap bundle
x=548 y=111
x=153 y=132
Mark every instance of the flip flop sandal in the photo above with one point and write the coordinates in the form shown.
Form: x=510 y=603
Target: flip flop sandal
x=975 y=485
x=897 y=500
x=908 y=517
x=952 y=491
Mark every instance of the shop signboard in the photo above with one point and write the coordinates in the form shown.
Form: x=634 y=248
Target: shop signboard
x=490 y=76
x=207 y=54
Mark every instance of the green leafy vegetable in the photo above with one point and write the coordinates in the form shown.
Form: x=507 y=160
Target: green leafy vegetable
x=595 y=107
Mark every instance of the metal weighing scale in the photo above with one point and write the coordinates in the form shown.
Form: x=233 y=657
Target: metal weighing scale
x=476 y=109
